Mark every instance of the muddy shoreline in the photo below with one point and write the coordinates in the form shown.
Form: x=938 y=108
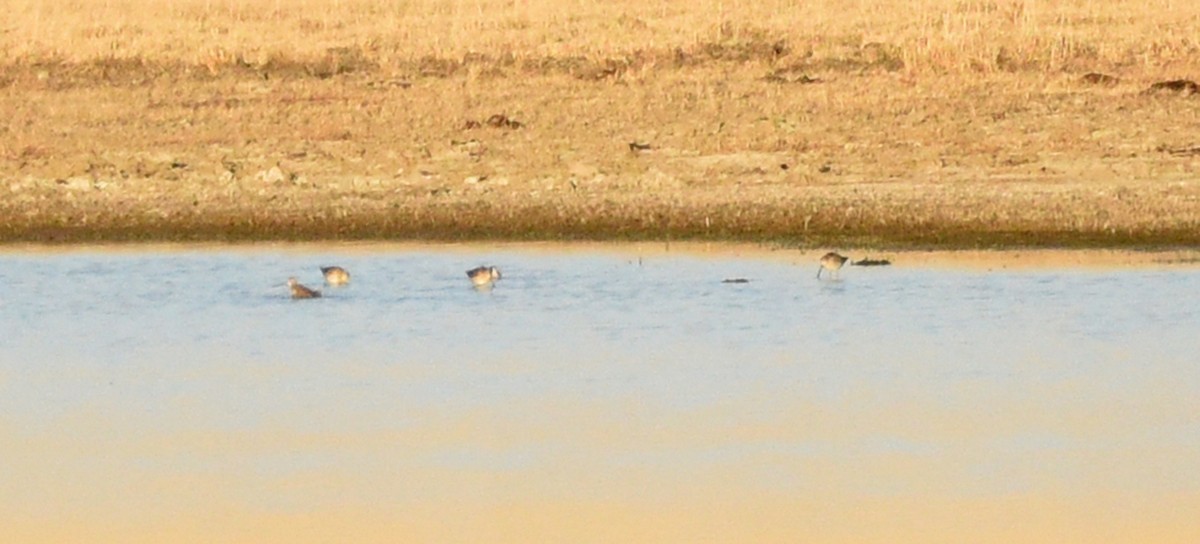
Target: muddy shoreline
x=482 y=223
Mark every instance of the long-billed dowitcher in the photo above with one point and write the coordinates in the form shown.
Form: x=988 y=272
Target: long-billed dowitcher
x=335 y=275
x=483 y=275
x=300 y=291
x=831 y=262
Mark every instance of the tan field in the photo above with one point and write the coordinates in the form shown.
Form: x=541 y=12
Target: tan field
x=931 y=123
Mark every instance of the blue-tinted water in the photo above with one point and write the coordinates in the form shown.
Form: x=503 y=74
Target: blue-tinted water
x=184 y=380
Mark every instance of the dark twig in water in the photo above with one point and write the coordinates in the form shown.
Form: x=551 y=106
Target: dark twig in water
x=867 y=261
x=735 y=280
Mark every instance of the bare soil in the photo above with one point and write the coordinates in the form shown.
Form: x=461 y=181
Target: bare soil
x=728 y=140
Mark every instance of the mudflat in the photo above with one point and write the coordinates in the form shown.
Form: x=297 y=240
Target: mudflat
x=953 y=124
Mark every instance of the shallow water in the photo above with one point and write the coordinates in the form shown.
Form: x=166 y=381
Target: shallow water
x=596 y=394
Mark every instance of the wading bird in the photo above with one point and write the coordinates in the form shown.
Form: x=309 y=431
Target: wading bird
x=335 y=275
x=483 y=275
x=831 y=262
x=300 y=291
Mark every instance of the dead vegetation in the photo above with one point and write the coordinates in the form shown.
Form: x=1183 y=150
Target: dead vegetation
x=498 y=120
x=1095 y=78
x=1181 y=87
x=131 y=41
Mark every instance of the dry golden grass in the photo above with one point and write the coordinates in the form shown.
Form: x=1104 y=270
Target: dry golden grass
x=921 y=35
x=935 y=122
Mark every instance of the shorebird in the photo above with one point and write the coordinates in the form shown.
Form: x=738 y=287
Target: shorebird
x=300 y=291
x=483 y=275
x=831 y=262
x=335 y=275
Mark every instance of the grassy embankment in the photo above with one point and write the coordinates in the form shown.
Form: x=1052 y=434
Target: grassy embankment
x=938 y=123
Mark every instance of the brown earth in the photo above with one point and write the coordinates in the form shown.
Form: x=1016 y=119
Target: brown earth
x=753 y=135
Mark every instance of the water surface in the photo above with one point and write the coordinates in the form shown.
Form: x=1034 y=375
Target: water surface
x=614 y=393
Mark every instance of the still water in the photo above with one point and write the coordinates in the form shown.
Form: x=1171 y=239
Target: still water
x=596 y=394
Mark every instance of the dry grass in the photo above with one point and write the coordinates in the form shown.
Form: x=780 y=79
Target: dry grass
x=920 y=35
x=935 y=123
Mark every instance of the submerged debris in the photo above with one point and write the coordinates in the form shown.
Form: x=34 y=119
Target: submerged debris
x=867 y=261
x=735 y=280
